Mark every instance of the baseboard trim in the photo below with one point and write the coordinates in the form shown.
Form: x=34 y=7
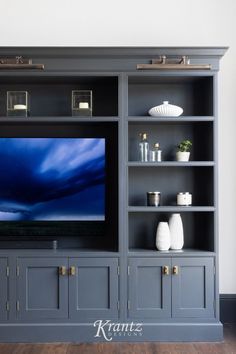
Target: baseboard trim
x=181 y=332
x=228 y=308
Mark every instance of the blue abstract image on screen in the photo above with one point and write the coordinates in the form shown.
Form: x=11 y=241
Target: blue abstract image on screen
x=52 y=179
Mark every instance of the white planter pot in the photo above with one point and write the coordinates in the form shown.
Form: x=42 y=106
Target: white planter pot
x=176 y=232
x=163 y=236
x=182 y=156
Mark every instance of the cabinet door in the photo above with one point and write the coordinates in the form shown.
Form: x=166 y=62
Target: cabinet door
x=42 y=289
x=93 y=288
x=193 y=287
x=3 y=288
x=149 y=288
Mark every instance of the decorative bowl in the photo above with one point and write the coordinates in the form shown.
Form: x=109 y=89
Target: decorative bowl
x=165 y=110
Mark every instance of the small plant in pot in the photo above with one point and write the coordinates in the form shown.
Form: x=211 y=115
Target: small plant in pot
x=183 y=152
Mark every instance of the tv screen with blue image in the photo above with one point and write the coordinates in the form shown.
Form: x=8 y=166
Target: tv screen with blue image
x=52 y=179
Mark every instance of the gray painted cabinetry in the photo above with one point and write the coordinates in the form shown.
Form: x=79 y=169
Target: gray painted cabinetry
x=42 y=289
x=114 y=273
x=67 y=288
x=93 y=289
x=193 y=288
x=3 y=288
x=177 y=288
x=149 y=288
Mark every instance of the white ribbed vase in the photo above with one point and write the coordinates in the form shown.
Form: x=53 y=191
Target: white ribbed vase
x=165 y=110
x=176 y=232
x=163 y=236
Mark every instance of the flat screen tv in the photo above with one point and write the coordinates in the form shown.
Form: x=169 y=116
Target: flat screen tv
x=59 y=181
x=52 y=179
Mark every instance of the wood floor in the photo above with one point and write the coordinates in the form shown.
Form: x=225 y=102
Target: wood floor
x=227 y=347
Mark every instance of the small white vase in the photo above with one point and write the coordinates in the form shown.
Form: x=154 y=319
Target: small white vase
x=163 y=236
x=176 y=232
x=182 y=155
x=165 y=110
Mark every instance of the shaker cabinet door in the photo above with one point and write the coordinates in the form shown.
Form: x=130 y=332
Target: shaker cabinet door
x=93 y=288
x=193 y=287
x=42 y=288
x=149 y=288
x=3 y=288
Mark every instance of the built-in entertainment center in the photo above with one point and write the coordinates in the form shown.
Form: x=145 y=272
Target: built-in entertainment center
x=77 y=238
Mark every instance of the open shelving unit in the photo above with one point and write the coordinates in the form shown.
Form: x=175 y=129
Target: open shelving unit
x=194 y=92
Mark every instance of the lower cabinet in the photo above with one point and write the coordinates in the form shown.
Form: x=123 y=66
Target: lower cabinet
x=171 y=287
x=73 y=288
x=193 y=287
x=3 y=288
x=149 y=288
x=93 y=288
x=42 y=288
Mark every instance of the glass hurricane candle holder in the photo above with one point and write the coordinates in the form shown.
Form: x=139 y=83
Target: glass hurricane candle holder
x=18 y=104
x=82 y=103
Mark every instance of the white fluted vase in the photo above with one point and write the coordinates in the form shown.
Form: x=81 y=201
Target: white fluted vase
x=176 y=232
x=163 y=236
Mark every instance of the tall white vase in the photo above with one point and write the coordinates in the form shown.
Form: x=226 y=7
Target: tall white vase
x=176 y=232
x=163 y=236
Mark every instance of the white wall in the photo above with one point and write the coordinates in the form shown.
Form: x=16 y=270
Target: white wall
x=146 y=23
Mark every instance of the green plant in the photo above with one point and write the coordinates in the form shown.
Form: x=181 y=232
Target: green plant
x=185 y=146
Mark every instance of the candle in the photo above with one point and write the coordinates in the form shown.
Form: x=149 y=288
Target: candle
x=19 y=106
x=83 y=105
x=184 y=199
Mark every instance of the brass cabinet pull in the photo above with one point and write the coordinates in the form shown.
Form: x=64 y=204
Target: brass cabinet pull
x=165 y=270
x=175 y=270
x=72 y=270
x=62 y=270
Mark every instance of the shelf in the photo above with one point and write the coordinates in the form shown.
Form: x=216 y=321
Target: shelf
x=193 y=93
x=198 y=225
x=169 y=135
x=180 y=253
x=51 y=95
x=72 y=252
x=171 y=164
x=181 y=119
x=171 y=209
x=170 y=181
x=64 y=119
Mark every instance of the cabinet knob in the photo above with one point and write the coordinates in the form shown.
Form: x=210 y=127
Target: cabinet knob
x=62 y=270
x=175 y=270
x=165 y=270
x=72 y=270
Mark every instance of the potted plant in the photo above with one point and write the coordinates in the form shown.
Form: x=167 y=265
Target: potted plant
x=183 y=152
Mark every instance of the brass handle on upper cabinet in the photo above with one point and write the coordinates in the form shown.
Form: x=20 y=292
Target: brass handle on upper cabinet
x=175 y=270
x=72 y=271
x=165 y=270
x=62 y=270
